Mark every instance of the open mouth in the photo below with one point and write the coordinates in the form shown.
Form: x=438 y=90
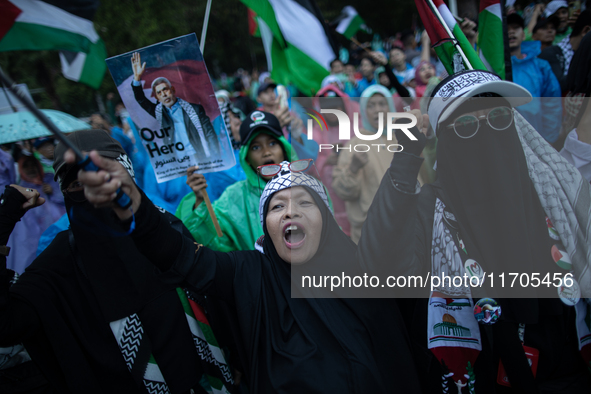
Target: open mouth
x=294 y=235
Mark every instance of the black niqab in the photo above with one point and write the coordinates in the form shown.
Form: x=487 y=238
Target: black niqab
x=484 y=181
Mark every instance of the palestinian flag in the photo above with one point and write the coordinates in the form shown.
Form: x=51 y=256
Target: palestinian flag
x=296 y=41
x=218 y=374
x=350 y=23
x=253 y=26
x=491 y=45
x=33 y=25
x=451 y=45
x=561 y=258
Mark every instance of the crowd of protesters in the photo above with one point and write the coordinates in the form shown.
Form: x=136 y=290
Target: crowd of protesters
x=153 y=300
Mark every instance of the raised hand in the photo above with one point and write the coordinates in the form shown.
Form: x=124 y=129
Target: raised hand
x=469 y=29
x=419 y=132
x=100 y=187
x=137 y=66
x=283 y=116
x=379 y=58
x=359 y=160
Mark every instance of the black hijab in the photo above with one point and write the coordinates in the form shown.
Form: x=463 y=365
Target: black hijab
x=578 y=79
x=328 y=344
x=484 y=181
x=87 y=279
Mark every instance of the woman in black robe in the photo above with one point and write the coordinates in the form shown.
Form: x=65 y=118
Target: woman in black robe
x=499 y=203
x=287 y=344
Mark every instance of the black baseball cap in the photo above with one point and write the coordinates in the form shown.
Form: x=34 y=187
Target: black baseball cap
x=257 y=120
x=515 y=19
x=542 y=22
x=266 y=85
x=87 y=140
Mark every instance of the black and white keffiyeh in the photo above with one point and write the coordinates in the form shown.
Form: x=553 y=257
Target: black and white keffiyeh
x=188 y=108
x=567 y=53
x=286 y=179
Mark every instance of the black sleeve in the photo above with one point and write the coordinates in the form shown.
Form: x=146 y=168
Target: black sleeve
x=143 y=101
x=391 y=243
x=402 y=91
x=554 y=56
x=11 y=212
x=180 y=258
x=18 y=321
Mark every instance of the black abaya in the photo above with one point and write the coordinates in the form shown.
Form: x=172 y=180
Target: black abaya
x=292 y=345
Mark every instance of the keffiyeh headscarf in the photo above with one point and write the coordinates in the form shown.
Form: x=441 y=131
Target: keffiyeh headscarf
x=286 y=179
x=564 y=194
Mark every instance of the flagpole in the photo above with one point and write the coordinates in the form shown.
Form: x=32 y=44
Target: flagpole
x=359 y=45
x=5 y=90
x=214 y=218
x=83 y=161
x=507 y=51
x=205 y=23
x=456 y=43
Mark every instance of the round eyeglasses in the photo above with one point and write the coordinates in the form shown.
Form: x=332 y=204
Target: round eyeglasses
x=466 y=126
x=294 y=166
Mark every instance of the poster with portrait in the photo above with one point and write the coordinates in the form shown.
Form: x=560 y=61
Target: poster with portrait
x=168 y=93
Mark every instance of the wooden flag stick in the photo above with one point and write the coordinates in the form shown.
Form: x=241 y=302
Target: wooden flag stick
x=214 y=218
x=360 y=45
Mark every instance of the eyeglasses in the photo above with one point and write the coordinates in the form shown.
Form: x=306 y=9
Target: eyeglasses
x=466 y=126
x=294 y=166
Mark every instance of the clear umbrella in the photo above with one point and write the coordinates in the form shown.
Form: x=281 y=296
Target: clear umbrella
x=23 y=125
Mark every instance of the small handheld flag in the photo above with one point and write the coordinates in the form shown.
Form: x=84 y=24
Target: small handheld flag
x=450 y=43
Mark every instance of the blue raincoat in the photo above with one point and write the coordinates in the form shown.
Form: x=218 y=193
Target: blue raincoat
x=536 y=75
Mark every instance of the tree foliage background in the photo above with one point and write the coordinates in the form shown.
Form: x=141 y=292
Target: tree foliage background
x=126 y=25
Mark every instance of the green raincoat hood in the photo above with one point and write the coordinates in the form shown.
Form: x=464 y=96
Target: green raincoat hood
x=251 y=176
x=237 y=209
